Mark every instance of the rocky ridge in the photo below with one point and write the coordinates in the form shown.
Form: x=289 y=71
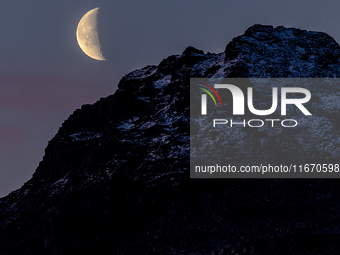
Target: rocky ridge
x=115 y=178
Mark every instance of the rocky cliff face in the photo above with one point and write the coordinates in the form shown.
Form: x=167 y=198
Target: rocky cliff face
x=115 y=178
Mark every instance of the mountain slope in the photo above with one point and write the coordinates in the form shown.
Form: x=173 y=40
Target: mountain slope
x=115 y=178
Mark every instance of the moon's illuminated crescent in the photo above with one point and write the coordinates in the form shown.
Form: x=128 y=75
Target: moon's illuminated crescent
x=87 y=35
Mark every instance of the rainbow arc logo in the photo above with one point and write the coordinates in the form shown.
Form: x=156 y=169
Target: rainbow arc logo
x=209 y=93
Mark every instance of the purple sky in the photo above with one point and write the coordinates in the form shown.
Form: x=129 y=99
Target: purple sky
x=44 y=75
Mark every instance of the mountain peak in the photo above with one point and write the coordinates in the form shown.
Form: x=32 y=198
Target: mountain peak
x=191 y=50
x=115 y=178
x=282 y=52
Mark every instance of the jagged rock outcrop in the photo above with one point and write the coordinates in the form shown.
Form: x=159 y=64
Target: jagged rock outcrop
x=115 y=178
x=288 y=53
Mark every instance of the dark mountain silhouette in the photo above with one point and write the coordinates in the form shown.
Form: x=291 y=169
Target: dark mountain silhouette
x=115 y=178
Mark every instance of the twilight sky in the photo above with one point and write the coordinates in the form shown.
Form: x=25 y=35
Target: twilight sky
x=44 y=75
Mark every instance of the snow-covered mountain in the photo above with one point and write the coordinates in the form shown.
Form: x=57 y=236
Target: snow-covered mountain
x=115 y=178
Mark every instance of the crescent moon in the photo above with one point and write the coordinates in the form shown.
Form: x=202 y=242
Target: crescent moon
x=87 y=35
